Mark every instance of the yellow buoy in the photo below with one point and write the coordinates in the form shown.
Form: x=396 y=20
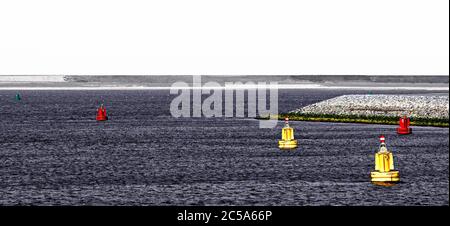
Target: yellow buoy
x=384 y=166
x=287 y=137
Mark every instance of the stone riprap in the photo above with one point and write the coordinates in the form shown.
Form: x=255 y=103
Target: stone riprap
x=427 y=106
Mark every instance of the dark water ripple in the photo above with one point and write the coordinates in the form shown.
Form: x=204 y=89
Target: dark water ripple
x=53 y=152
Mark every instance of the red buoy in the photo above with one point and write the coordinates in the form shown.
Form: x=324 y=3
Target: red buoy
x=101 y=114
x=404 y=123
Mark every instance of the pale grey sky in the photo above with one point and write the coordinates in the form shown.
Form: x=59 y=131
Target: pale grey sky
x=224 y=37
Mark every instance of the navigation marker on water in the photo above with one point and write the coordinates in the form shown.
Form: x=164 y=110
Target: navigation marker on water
x=404 y=123
x=287 y=137
x=101 y=114
x=18 y=97
x=384 y=166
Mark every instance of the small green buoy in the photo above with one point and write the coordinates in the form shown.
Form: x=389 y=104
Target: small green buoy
x=18 y=97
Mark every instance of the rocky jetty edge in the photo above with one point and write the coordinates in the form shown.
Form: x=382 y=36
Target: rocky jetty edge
x=424 y=110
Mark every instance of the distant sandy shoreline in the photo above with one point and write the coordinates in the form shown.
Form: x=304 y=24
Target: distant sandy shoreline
x=142 y=82
x=225 y=88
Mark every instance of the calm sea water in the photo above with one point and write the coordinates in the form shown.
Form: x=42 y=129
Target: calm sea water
x=53 y=152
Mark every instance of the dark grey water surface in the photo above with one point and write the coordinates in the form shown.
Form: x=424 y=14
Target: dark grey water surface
x=53 y=152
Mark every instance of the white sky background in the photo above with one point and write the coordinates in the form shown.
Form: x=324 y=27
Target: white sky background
x=224 y=37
